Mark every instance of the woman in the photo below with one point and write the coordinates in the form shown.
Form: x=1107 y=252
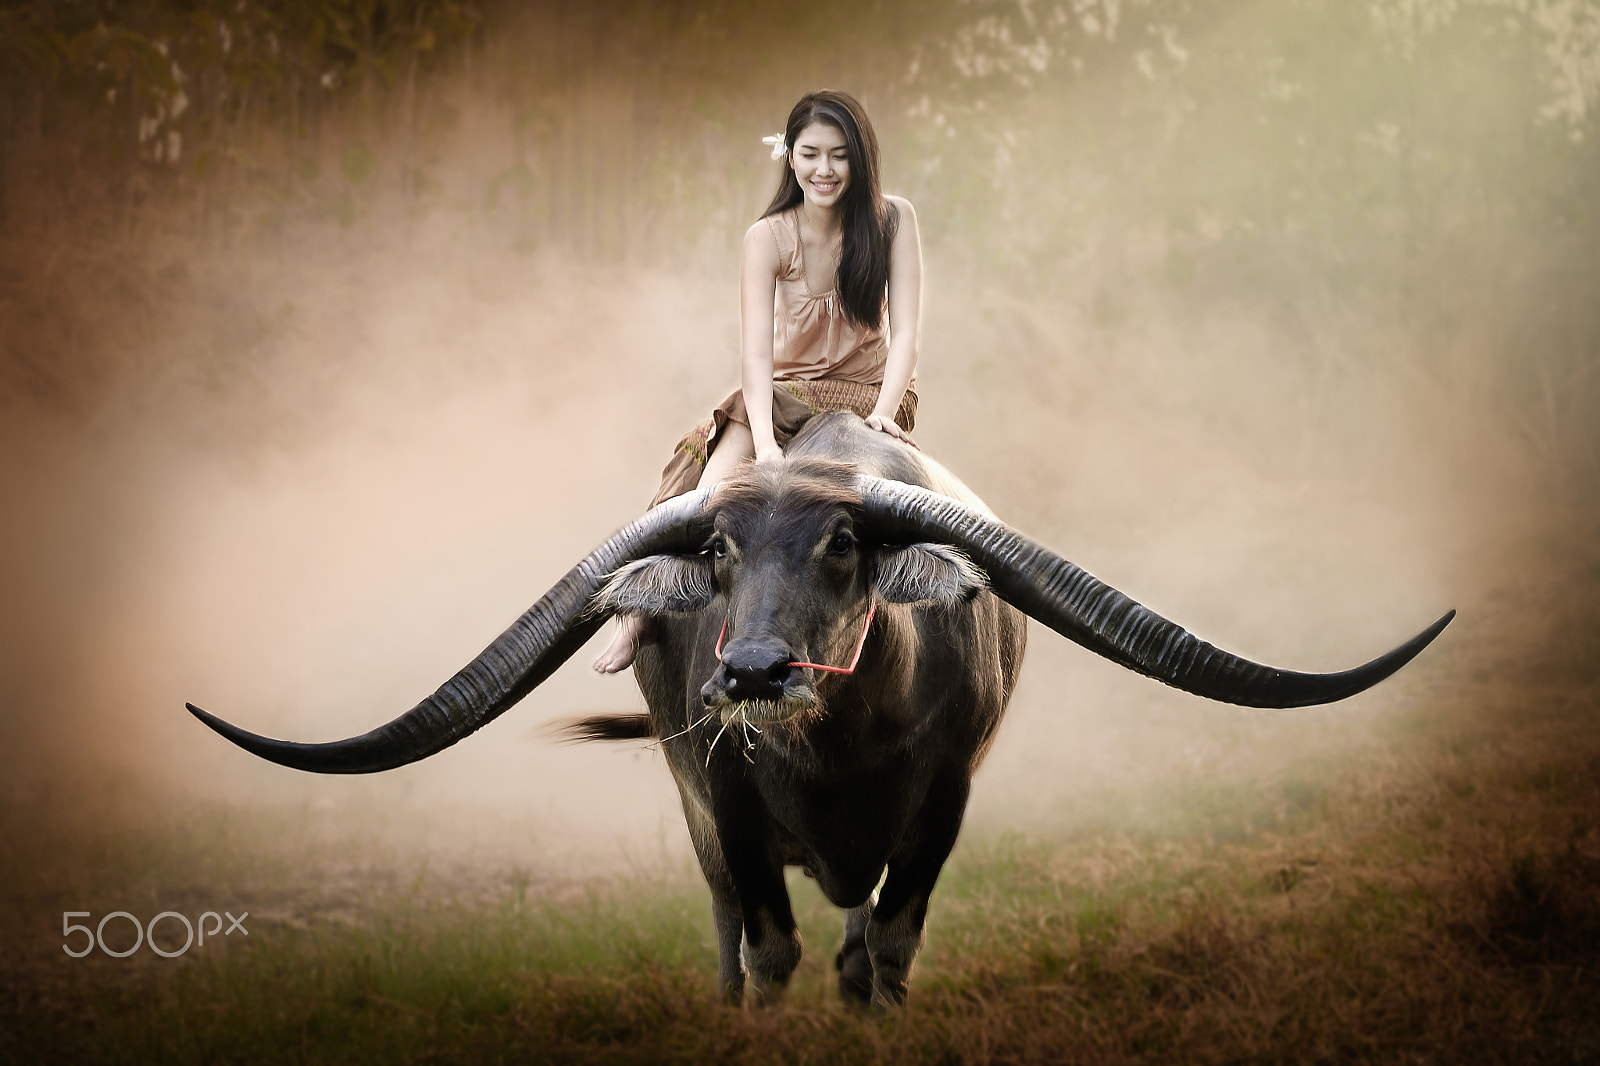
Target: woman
x=830 y=285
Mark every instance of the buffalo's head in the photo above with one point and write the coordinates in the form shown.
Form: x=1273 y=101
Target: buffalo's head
x=794 y=566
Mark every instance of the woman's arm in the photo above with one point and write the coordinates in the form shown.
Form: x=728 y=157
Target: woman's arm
x=758 y=284
x=905 y=320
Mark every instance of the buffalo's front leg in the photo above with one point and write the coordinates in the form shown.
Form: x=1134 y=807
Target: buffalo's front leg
x=771 y=951
x=730 y=931
x=771 y=938
x=894 y=933
x=726 y=912
x=853 y=961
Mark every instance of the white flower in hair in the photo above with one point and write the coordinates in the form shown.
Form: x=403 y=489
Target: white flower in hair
x=779 y=149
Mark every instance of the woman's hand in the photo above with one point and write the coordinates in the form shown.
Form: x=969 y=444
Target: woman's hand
x=763 y=454
x=892 y=428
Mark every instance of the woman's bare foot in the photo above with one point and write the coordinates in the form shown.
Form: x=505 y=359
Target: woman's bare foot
x=631 y=633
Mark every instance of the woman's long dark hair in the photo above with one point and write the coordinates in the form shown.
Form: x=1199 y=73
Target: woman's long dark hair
x=869 y=222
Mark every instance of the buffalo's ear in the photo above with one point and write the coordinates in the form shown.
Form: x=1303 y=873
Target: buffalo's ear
x=658 y=584
x=927 y=574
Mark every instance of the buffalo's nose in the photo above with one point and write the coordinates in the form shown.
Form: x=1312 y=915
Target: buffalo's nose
x=751 y=670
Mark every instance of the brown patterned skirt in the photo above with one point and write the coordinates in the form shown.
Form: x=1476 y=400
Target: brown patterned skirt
x=794 y=403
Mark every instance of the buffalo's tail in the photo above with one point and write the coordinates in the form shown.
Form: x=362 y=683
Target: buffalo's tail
x=605 y=727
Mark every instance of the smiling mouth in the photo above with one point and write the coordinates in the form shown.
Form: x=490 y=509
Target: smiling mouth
x=824 y=186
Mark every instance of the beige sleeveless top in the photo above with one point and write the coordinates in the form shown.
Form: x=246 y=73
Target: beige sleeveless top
x=811 y=337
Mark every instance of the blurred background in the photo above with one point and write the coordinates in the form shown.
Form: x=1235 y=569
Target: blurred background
x=332 y=333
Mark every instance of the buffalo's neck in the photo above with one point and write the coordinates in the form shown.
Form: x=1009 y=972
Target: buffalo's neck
x=844 y=824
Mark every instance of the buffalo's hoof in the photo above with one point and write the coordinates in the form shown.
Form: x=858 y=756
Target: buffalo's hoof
x=769 y=995
x=889 y=996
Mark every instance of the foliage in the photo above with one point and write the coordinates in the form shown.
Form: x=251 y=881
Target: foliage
x=1279 y=117
x=1425 y=166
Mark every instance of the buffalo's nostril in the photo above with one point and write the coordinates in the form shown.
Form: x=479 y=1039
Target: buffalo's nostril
x=758 y=683
x=753 y=670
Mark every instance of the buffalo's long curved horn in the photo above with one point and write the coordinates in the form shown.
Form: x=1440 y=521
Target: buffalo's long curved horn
x=546 y=635
x=1085 y=609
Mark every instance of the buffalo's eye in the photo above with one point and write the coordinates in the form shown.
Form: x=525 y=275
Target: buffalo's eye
x=718 y=548
x=843 y=542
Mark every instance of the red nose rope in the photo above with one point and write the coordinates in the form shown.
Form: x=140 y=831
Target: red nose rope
x=862 y=643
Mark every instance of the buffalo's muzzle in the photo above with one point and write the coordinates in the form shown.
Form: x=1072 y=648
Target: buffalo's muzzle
x=753 y=669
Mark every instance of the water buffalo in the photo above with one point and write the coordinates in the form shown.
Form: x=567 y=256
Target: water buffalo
x=836 y=637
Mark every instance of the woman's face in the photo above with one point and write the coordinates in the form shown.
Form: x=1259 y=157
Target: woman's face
x=821 y=164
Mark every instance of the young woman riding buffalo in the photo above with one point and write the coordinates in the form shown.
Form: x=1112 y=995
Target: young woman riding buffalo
x=830 y=287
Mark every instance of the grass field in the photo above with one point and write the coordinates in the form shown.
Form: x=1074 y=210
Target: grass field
x=1436 y=899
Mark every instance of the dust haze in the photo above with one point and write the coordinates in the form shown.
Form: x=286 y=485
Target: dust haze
x=300 y=472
